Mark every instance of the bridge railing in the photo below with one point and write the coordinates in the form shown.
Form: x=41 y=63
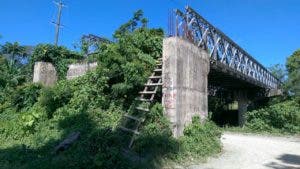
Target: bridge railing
x=221 y=48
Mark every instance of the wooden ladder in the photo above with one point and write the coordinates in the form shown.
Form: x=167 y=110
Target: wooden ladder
x=145 y=99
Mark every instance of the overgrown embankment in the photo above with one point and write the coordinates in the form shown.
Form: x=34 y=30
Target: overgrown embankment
x=282 y=114
x=34 y=119
x=278 y=117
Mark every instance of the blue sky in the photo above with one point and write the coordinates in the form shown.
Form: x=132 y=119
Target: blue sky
x=268 y=29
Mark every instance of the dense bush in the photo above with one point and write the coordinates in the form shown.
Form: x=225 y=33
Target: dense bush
x=25 y=96
x=29 y=119
x=131 y=59
x=200 y=140
x=53 y=98
x=28 y=139
x=157 y=133
x=11 y=76
x=281 y=117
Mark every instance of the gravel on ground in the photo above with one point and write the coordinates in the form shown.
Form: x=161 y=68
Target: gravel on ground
x=249 y=151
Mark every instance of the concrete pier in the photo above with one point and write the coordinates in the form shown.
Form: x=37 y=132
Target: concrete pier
x=241 y=97
x=44 y=73
x=185 y=72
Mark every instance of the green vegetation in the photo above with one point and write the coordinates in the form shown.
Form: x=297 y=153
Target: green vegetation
x=200 y=140
x=293 y=68
x=13 y=72
x=282 y=117
x=279 y=71
x=14 y=52
x=34 y=119
x=278 y=117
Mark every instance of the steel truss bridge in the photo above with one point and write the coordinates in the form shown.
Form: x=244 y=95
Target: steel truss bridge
x=226 y=57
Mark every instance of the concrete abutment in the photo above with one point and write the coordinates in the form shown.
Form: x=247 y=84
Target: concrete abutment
x=185 y=78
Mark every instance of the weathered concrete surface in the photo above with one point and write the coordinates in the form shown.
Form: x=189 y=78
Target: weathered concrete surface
x=185 y=71
x=44 y=73
x=274 y=92
x=241 y=97
x=79 y=69
x=255 y=152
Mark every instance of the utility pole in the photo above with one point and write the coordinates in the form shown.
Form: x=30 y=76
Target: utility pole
x=57 y=24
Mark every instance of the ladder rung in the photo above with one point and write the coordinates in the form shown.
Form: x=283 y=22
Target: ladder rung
x=153 y=84
x=154 y=77
x=142 y=109
x=159 y=58
x=129 y=130
x=157 y=70
x=133 y=118
x=147 y=92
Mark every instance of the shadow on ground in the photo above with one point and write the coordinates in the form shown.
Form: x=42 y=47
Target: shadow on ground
x=288 y=161
x=96 y=148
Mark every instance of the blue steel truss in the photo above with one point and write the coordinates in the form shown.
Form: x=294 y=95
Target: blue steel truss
x=221 y=48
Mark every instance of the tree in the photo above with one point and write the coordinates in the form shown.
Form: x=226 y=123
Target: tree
x=91 y=43
x=11 y=67
x=279 y=71
x=130 y=59
x=293 y=68
x=14 y=51
x=132 y=24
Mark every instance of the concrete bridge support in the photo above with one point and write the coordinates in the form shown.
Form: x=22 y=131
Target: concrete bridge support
x=185 y=76
x=44 y=73
x=241 y=97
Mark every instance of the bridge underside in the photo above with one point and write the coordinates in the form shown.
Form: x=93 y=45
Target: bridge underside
x=231 y=87
x=223 y=75
x=224 y=78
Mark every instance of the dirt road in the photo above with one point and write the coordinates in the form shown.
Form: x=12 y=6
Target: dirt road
x=255 y=152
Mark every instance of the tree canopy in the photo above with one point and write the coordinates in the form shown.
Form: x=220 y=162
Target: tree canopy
x=293 y=68
x=14 y=51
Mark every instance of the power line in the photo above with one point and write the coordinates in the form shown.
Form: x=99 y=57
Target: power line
x=57 y=24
